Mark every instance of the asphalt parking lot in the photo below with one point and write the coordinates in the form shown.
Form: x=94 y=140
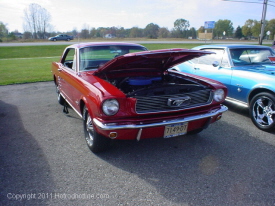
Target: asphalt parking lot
x=44 y=160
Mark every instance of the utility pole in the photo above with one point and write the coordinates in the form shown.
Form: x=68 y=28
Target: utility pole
x=263 y=22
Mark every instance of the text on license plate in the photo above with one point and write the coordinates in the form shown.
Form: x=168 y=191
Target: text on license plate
x=173 y=130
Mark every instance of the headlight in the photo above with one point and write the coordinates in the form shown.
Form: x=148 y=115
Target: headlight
x=110 y=107
x=219 y=95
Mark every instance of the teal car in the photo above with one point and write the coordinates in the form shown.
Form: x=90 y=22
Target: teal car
x=248 y=71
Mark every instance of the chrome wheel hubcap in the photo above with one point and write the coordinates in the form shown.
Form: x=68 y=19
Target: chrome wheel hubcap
x=264 y=111
x=90 y=131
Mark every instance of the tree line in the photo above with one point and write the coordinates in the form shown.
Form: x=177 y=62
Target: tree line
x=37 y=26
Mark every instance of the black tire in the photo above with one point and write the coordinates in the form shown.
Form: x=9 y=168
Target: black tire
x=262 y=111
x=54 y=39
x=60 y=98
x=96 y=142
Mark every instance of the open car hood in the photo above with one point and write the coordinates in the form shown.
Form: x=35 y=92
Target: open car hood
x=156 y=59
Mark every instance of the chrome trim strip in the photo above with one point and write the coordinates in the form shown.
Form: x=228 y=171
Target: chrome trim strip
x=114 y=126
x=71 y=105
x=235 y=101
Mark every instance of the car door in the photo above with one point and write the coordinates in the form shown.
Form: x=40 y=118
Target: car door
x=214 y=66
x=67 y=75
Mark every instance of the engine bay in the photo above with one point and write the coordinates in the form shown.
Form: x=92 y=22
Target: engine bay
x=165 y=84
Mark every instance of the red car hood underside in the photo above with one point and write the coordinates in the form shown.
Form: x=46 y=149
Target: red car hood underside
x=157 y=59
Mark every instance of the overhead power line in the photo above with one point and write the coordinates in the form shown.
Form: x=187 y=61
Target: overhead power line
x=253 y=2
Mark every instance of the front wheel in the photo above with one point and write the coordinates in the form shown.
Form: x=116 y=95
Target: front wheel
x=96 y=142
x=262 y=111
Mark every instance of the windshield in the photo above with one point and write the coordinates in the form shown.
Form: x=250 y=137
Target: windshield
x=250 y=56
x=96 y=56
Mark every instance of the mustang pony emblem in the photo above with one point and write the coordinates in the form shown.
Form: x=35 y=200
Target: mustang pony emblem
x=178 y=102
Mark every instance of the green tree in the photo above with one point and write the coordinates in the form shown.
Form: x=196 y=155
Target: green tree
x=238 y=33
x=11 y=36
x=271 y=27
x=247 y=28
x=135 y=32
x=192 y=33
x=3 y=30
x=93 y=32
x=256 y=29
x=85 y=32
x=163 y=32
x=201 y=29
x=151 y=31
x=180 y=27
x=223 y=26
x=101 y=31
x=120 y=32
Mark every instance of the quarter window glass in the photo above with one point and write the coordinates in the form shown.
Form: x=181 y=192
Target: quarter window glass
x=219 y=56
x=70 y=59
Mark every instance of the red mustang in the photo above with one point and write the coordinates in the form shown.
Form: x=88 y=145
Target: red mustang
x=123 y=91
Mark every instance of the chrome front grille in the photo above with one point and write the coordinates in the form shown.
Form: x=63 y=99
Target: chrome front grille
x=153 y=104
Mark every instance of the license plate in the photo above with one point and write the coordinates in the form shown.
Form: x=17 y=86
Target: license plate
x=173 y=130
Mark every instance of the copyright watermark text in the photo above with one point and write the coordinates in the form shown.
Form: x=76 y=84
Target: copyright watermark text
x=55 y=195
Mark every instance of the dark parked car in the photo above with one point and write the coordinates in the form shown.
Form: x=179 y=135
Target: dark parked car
x=248 y=71
x=61 y=37
x=125 y=95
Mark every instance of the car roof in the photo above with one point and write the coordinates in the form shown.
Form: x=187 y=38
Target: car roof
x=89 y=44
x=232 y=46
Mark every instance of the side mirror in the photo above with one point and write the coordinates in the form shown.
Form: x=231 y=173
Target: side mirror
x=215 y=64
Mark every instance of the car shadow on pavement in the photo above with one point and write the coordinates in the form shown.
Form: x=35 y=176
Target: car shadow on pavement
x=210 y=168
x=23 y=164
x=237 y=109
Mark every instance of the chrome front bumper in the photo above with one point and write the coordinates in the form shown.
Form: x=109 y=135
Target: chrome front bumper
x=115 y=126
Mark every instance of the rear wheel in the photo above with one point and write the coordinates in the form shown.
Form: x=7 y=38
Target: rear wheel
x=262 y=111
x=96 y=142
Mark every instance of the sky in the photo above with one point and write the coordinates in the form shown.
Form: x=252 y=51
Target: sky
x=67 y=15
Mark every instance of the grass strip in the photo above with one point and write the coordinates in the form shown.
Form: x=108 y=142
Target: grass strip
x=15 y=71
x=24 y=64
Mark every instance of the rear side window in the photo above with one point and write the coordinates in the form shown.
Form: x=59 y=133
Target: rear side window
x=219 y=56
x=248 y=56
